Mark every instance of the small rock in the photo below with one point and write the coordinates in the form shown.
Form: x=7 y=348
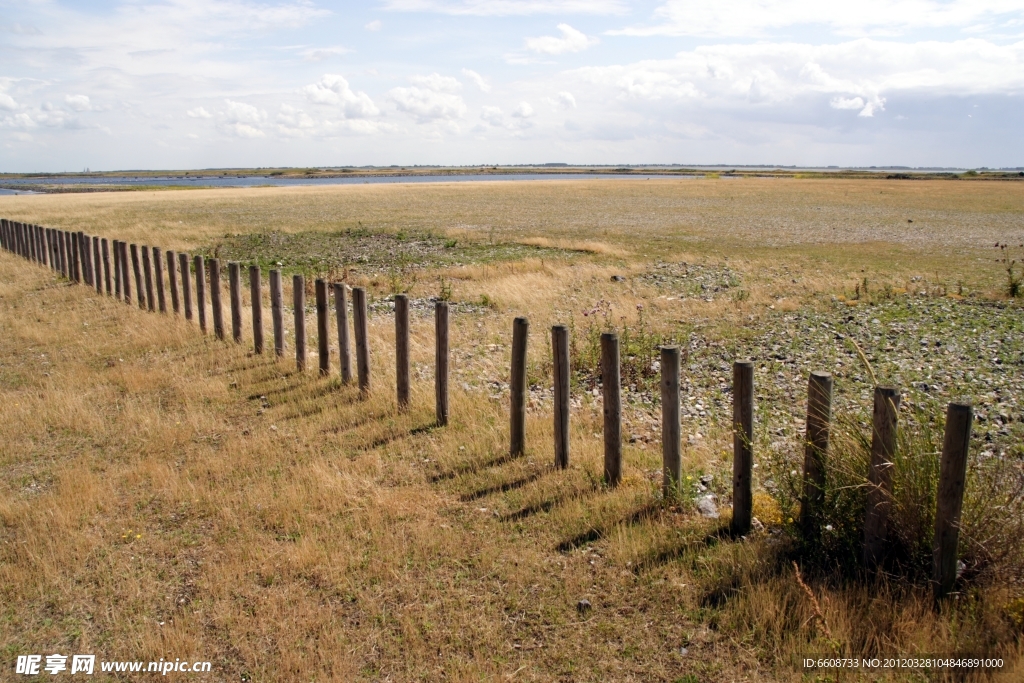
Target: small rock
x=758 y=526
x=707 y=507
x=617 y=278
x=583 y=606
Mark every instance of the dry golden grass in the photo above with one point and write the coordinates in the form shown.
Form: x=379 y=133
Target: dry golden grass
x=163 y=494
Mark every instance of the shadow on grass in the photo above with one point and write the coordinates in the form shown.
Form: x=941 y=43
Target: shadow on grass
x=597 y=533
x=502 y=488
x=473 y=467
x=549 y=504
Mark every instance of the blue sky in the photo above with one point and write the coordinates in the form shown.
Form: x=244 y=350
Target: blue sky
x=218 y=83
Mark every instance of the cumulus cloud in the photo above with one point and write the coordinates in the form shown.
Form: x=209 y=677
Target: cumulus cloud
x=432 y=98
x=199 y=113
x=567 y=100
x=374 y=25
x=479 y=80
x=571 y=40
x=334 y=90
x=492 y=115
x=242 y=120
x=523 y=111
x=846 y=103
x=78 y=102
x=7 y=102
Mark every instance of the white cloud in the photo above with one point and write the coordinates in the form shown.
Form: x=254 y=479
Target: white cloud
x=479 y=80
x=438 y=83
x=757 y=18
x=78 y=102
x=492 y=115
x=846 y=103
x=509 y=7
x=199 y=113
x=523 y=111
x=7 y=102
x=571 y=41
x=374 y=25
x=319 y=54
x=242 y=120
x=334 y=90
x=566 y=99
x=428 y=105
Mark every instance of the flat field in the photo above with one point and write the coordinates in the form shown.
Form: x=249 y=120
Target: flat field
x=167 y=495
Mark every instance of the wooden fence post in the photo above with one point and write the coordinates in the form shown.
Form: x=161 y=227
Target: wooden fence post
x=560 y=356
x=884 y=420
x=322 y=337
x=612 y=399
x=742 y=446
x=158 y=274
x=76 y=247
x=105 y=248
x=950 y=499
x=341 y=316
x=671 y=453
x=277 y=311
x=200 y=268
x=402 y=350
x=136 y=266
x=362 y=342
x=299 y=308
x=33 y=253
x=172 y=279
x=125 y=274
x=147 y=272
x=819 y=417
x=256 y=298
x=517 y=388
x=85 y=246
x=441 y=363
x=62 y=250
x=215 y=300
x=98 y=265
x=186 y=284
x=235 y=284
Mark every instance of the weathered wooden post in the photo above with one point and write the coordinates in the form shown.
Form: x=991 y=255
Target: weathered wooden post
x=85 y=247
x=68 y=254
x=97 y=264
x=158 y=274
x=256 y=298
x=612 y=394
x=517 y=388
x=62 y=248
x=147 y=272
x=299 y=308
x=235 y=284
x=33 y=254
x=172 y=279
x=105 y=248
x=186 y=284
x=560 y=355
x=215 y=300
x=742 y=446
x=277 y=311
x=74 y=261
x=362 y=342
x=671 y=453
x=200 y=268
x=137 y=267
x=402 y=350
x=884 y=422
x=950 y=499
x=75 y=245
x=819 y=418
x=441 y=363
x=341 y=316
x=125 y=275
x=322 y=338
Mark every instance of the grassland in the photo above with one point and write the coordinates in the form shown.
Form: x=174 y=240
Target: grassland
x=163 y=494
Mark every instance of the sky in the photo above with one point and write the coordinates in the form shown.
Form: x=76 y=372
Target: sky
x=178 y=84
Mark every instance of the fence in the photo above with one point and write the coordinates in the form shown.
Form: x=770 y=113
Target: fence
x=86 y=259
